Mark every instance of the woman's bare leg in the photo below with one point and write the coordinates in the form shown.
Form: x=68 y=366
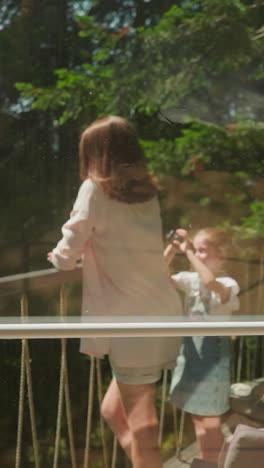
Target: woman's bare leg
x=209 y=435
x=139 y=405
x=113 y=412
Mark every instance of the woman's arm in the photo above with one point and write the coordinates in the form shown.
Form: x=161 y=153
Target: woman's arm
x=76 y=232
x=78 y=229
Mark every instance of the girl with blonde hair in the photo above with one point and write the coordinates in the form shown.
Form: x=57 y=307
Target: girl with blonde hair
x=201 y=379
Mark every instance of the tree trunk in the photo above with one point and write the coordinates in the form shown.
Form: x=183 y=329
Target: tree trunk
x=27 y=7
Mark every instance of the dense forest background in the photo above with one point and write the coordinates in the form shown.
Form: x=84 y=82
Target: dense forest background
x=189 y=74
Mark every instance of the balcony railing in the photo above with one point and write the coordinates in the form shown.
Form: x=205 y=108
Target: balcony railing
x=25 y=327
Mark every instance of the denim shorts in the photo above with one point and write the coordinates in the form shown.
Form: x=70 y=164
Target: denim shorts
x=136 y=375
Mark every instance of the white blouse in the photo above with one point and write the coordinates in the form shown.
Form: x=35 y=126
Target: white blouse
x=124 y=273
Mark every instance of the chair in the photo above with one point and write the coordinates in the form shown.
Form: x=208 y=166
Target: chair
x=246 y=450
x=197 y=463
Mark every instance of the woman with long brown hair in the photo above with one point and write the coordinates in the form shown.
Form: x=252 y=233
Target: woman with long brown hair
x=115 y=228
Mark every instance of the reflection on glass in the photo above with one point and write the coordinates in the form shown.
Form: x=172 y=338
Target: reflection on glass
x=189 y=77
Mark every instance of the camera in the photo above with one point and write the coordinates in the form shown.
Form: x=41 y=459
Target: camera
x=172 y=235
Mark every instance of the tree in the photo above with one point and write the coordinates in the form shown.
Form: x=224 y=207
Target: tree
x=195 y=62
x=202 y=56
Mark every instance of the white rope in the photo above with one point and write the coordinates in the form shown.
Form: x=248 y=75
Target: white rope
x=114 y=453
x=262 y=355
x=63 y=313
x=180 y=440
x=260 y=302
x=31 y=406
x=20 y=406
x=259 y=309
x=100 y=398
x=162 y=409
x=26 y=378
x=69 y=415
x=89 y=413
x=248 y=361
x=239 y=359
x=61 y=383
x=175 y=426
x=60 y=407
x=254 y=358
x=232 y=359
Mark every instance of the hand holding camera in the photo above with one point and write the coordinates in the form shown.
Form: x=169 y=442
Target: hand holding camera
x=179 y=239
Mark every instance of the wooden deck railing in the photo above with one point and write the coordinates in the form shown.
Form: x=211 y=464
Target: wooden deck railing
x=24 y=327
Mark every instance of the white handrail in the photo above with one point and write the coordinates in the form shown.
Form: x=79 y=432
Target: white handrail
x=14 y=284
x=67 y=328
x=29 y=275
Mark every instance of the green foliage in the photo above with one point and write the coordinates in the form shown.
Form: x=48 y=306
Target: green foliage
x=146 y=68
x=250 y=226
x=195 y=63
x=253 y=224
x=72 y=90
x=204 y=147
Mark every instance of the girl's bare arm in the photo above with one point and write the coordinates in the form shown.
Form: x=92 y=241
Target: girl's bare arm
x=174 y=246
x=169 y=252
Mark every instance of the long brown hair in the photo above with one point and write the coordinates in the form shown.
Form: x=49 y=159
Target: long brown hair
x=111 y=155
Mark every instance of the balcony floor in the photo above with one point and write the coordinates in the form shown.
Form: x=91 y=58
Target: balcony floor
x=185 y=458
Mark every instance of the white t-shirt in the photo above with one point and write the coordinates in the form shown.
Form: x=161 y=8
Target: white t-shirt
x=200 y=301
